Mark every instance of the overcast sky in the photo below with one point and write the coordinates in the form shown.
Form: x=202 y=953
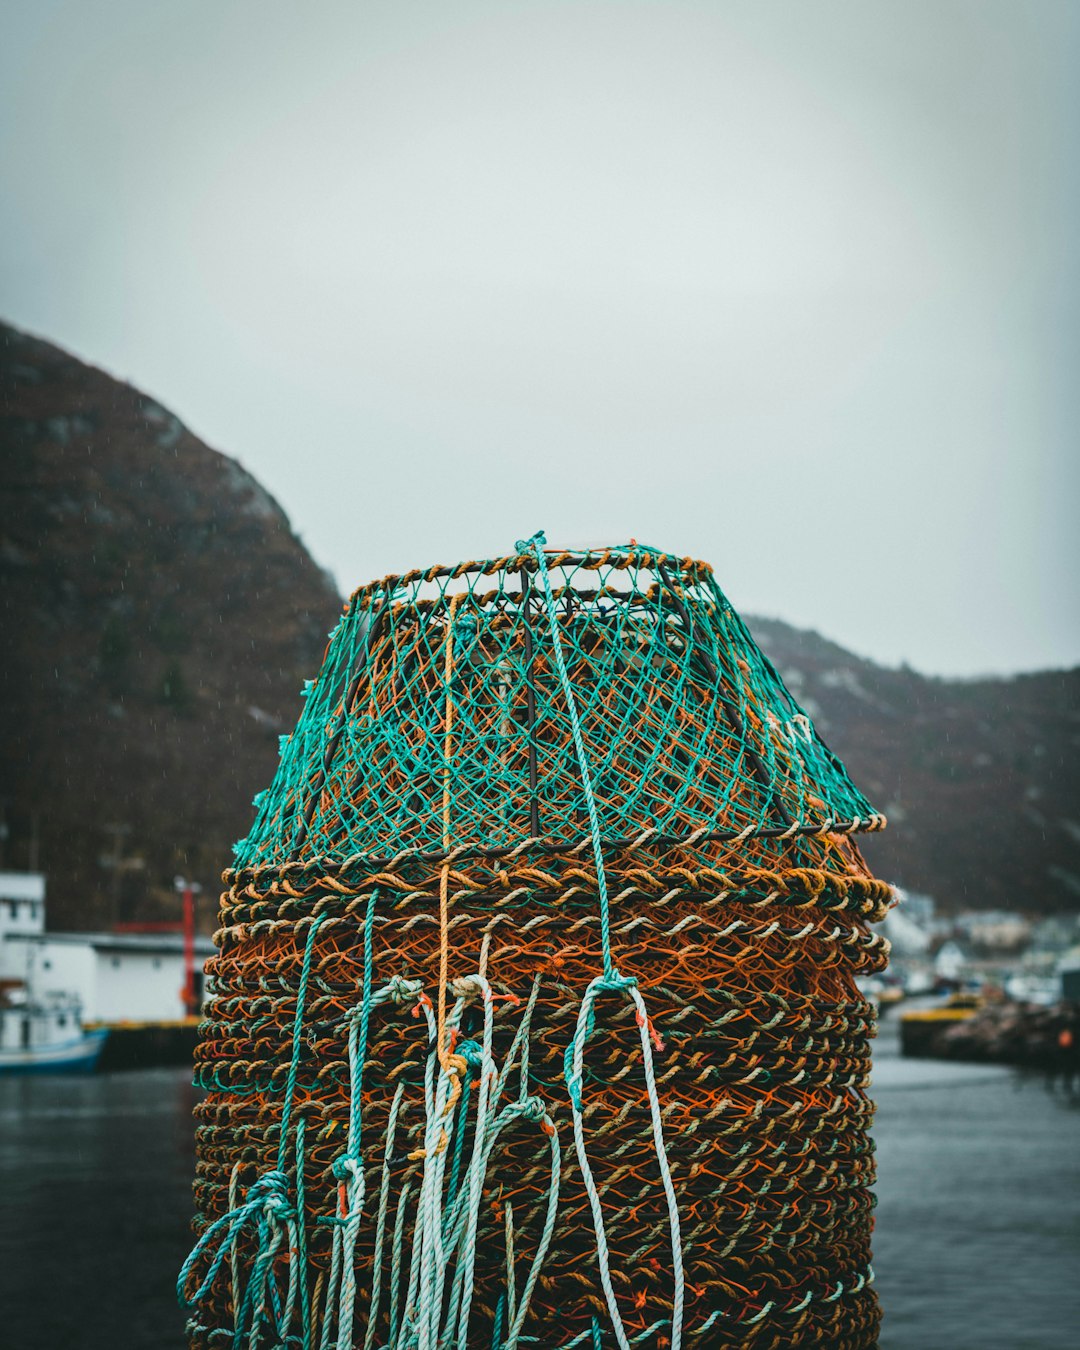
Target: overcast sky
x=791 y=286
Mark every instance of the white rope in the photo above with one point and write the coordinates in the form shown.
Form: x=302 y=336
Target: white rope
x=441 y=1279
x=574 y=1079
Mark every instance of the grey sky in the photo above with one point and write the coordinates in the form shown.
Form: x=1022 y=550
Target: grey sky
x=792 y=287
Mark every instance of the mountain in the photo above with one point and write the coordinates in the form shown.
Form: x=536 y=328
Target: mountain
x=160 y=616
x=978 y=777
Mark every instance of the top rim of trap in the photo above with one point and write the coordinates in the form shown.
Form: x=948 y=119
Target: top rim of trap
x=559 y=558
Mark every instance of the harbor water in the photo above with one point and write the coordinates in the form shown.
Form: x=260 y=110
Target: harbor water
x=978 y=1221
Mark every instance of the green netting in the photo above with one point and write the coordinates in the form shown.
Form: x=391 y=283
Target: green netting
x=688 y=728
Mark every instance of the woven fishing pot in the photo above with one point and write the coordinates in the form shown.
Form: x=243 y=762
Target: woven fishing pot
x=534 y=1019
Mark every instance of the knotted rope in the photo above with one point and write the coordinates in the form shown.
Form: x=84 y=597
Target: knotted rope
x=441 y=1286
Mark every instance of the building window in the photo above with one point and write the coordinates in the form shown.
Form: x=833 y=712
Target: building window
x=157 y=962
x=116 y=963
x=61 y=1021
x=13 y=908
x=46 y=964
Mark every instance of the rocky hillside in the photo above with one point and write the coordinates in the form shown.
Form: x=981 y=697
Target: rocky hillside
x=978 y=778
x=159 y=617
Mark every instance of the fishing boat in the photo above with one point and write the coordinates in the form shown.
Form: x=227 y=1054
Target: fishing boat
x=46 y=1036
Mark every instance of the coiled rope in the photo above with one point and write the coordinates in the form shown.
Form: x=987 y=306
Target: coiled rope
x=267 y=1210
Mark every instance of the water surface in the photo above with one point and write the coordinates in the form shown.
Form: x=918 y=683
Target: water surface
x=977 y=1246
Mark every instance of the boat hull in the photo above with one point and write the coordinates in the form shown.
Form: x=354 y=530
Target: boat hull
x=76 y=1056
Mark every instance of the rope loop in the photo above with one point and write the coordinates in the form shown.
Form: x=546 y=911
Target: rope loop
x=267 y=1198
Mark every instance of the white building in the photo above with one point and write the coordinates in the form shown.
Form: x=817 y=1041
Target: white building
x=117 y=977
x=952 y=961
x=906 y=937
x=22 y=903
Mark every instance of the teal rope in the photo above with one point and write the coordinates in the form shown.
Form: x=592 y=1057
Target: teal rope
x=395 y=1262
x=355 y=1121
x=380 y=1222
x=348 y=1167
x=593 y=1333
x=298 y=1028
x=301 y=1236
x=609 y=981
x=500 y=1319
x=537 y=542
x=459 y=1131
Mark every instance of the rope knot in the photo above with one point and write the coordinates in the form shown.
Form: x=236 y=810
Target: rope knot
x=471 y=1053
x=615 y=983
x=467 y=988
x=345 y=1167
x=400 y=990
x=527 y=545
x=532 y=1108
x=457 y=1065
x=272 y=1190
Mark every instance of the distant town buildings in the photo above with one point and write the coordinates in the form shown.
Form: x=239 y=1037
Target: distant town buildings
x=995 y=930
x=997 y=949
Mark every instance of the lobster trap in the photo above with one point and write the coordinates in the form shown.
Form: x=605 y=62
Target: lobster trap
x=534 y=1018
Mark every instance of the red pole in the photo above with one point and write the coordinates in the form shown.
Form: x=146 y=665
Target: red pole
x=189 y=950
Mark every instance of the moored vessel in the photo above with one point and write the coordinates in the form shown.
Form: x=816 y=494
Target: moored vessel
x=46 y=1036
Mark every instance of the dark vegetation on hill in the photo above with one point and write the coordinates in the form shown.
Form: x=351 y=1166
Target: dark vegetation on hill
x=978 y=777
x=159 y=617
